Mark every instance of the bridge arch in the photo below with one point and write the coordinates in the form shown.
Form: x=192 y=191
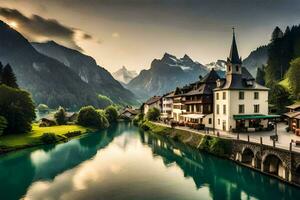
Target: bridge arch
x=273 y=164
x=248 y=156
x=296 y=175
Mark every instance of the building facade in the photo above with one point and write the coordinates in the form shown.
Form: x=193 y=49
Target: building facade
x=153 y=102
x=240 y=102
x=167 y=105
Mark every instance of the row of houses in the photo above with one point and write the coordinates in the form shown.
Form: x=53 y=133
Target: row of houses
x=234 y=103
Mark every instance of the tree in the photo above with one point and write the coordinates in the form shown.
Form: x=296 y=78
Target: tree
x=111 y=114
x=18 y=109
x=43 y=108
x=8 y=77
x=277 y=33
x=3 y=124
x=60 y=116
x=104 y=101
x=153 y=114
x=1 y=72
x=279 y=97
x=260 y=75
x=293 y=76
x=88 y=116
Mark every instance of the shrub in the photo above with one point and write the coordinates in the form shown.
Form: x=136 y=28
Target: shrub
x=48 y=138
x=153 y=114
x=88 y=116
x=60 y=116
x=138 y=119
x=17 y=107
x=144 y=127
x=205 y=143
x=111 y=114
x=3 y=124
x=104 y=101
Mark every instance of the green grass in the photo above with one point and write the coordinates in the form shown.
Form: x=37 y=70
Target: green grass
x=33 y=138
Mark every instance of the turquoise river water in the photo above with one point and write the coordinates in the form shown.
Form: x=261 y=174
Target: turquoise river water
x=123 y=163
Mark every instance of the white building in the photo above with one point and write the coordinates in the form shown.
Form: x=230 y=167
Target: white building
x=153 y=102
x=167 y=105
x=239 y=102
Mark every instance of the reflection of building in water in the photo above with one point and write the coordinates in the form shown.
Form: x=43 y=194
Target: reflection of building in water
x=225 y=179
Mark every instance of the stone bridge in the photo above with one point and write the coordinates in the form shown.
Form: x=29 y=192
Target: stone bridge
x=282 y=163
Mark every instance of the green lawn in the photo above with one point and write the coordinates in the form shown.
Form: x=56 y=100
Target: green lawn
x=33 y=138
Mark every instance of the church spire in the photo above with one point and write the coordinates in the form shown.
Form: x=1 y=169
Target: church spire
x=234 y=54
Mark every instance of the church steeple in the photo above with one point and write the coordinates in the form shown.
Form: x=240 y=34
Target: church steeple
x=234 y=54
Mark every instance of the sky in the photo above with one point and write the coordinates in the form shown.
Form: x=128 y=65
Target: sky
x=132 y=33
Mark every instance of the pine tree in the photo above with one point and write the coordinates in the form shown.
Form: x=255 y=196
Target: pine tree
x=260 y=75
x=8 y=77
x=1 y=71
x=277 y=33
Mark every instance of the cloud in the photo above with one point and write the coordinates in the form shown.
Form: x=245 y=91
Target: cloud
x=37 y=28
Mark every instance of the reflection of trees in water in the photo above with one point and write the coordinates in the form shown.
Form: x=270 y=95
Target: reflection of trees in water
x=226 y=180
x=19 y=170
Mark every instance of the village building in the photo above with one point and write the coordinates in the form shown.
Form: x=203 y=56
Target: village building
x=129 y=113
x=153 y=102
x=241 y=104
x=293 y=118
x=193 y=104
x=167 y=106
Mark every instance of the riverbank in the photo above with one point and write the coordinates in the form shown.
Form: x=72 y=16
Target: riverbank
x=259 y=157
x=210 y=144
x=63 y=133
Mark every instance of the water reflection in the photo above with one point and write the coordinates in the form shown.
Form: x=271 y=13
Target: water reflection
x=225 y=179
x=123 y=163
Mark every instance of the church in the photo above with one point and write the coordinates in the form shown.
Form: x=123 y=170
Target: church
x=241 y=104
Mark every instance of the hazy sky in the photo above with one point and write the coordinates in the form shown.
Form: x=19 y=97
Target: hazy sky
x=134 y=32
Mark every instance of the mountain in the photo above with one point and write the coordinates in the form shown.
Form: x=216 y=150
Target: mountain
x=165 y=75
x=256 y=59
x=47 y=79
x=98 y=78
x=219 y=65
x=123 y=75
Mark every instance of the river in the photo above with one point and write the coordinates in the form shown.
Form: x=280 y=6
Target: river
x=126 y=164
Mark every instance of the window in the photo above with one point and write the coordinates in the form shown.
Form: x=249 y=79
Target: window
x=224 y=95
x=256 y=108
x=256 y=95
x=209 y=121
x=217 y=97
x=241 y=95
x=237 y=68
x=218 y=121
x=229 y=68
x=241 y=108
x=218 y=109
x=224 y=109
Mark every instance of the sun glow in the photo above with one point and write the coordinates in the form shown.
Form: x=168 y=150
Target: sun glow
x=13 y=24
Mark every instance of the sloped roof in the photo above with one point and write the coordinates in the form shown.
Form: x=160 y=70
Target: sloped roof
x=153 y=100
x=294 y=106
x=244 y=81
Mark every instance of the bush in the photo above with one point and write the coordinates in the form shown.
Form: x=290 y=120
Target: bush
x=88 y=116
x=60 y=116
x=111 y=114
x=137 y=119
x=17 y=107
x=104 y=101
x=153 y=114
x=3 y=124
x=144 y=127
x=49 y=138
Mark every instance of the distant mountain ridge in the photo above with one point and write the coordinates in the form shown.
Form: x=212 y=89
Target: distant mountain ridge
x=50 y=81
x=124 y=75
x=256 y=59
x=166 y=74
